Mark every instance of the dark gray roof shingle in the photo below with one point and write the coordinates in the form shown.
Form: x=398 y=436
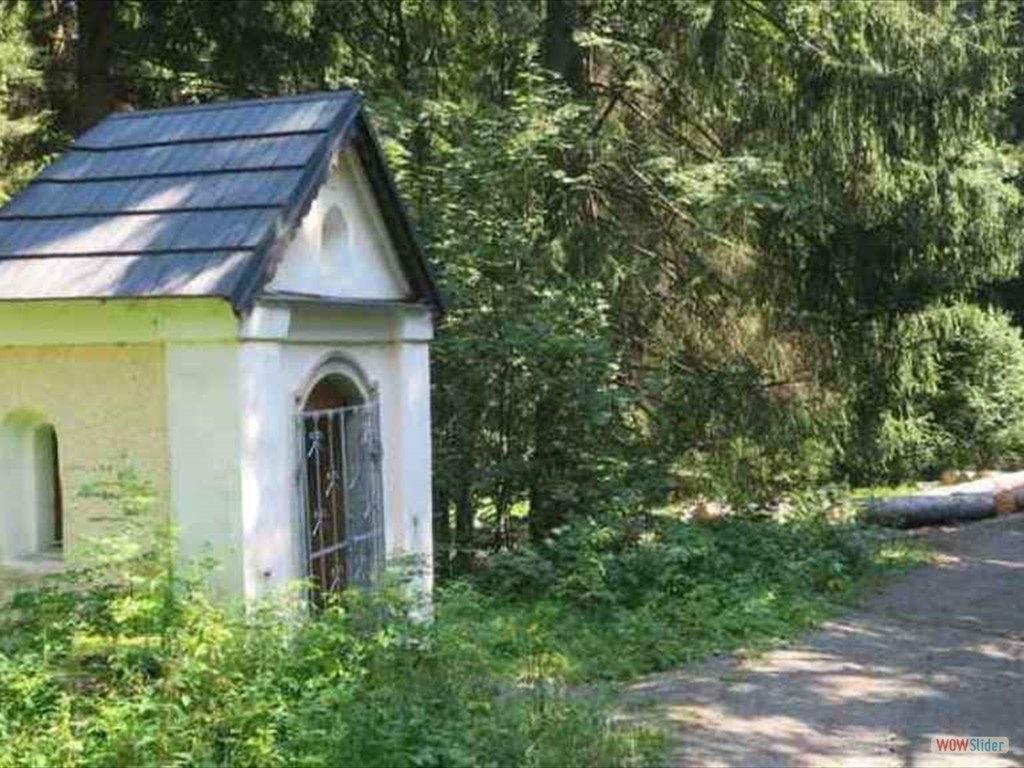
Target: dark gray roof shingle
x=188 y=201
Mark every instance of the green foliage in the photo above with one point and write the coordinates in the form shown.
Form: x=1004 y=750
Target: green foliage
x=812 y=172
x=613 y=598
x=954 y=399
x=137 y=667
x=754 y=441
x=23 y=127
x=527 y=402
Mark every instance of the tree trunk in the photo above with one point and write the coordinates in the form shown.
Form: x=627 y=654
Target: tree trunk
x=545 y=513
x=562 y=54
x=442 y=534
x=465 y=517
x=52 y=31
x=94 y=74
x=917 y=511
x=574 y=64
x=986 y=497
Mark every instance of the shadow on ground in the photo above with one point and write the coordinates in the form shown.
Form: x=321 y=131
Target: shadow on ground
x=939 y=653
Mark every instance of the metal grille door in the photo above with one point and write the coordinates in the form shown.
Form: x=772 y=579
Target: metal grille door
x=342 y=498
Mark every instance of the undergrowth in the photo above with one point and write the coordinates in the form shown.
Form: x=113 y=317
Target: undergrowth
x=133 y=665
x=147 y=671
x=611 y=599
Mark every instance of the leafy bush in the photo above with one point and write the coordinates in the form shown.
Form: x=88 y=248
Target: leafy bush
x=142 y=669
x=615 y=597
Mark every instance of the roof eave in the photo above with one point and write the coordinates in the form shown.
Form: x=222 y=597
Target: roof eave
x=396 y=215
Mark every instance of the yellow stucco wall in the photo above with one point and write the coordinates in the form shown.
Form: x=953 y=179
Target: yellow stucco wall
x=107 y=404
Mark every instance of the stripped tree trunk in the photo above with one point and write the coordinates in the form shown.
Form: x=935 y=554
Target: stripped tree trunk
x=970 y=501
x=917 y=511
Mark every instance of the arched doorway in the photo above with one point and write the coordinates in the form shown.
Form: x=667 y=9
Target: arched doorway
x=32 y=506
x=341 y=493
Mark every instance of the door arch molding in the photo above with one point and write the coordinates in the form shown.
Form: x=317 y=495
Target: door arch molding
x=337 y=364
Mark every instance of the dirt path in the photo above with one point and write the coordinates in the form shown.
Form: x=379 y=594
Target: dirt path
x=939 y=653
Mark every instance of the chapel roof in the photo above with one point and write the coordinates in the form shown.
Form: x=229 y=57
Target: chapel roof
x=190 y=201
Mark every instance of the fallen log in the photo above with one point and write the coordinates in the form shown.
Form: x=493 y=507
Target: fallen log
x=971 y=501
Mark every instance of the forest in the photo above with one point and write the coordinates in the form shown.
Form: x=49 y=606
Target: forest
x=693 y=249
x=741 y=253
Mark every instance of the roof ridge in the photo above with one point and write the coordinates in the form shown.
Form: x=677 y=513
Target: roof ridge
x=214 y=106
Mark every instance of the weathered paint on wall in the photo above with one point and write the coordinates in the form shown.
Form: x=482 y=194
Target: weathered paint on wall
x=136 y=321
x=106 y=403
x=204 y=442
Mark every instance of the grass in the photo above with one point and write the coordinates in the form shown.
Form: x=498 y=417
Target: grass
x=884 y=491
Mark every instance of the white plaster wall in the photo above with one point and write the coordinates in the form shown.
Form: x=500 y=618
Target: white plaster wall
x=364 y=265
x=275 y=373
x=205 y=449
x=410 y=441
x=16 y=534
x=41 y=449
x=268 y=471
